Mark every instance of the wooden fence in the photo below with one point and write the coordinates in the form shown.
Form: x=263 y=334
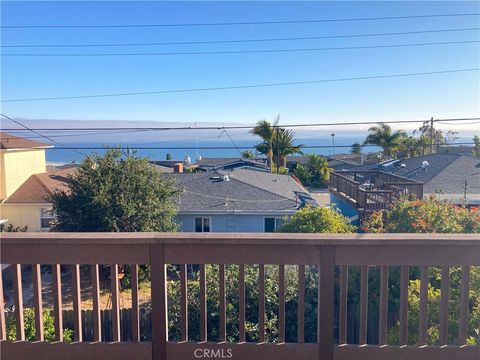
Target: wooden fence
x=325 y=252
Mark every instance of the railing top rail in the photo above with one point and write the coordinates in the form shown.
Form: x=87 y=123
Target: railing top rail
x=404 y=179
x=375 y=191
x=235 y=239
x=344 y=178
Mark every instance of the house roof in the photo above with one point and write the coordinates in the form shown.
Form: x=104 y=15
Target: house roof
x=10 y=142
x=445 y=174
x=166 y=163
x=163 y=168
x=38 y=187
x=222 y=163
x=245 y=191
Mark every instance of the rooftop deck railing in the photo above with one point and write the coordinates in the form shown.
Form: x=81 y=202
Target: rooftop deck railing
x=332 y=257
x=373 y=190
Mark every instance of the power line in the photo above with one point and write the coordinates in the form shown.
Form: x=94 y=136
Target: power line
x=222 y=127
x=239 y=40
x=267 y=22
x=133 y=147
x=261 y=51
x=252 y=86
x=44 y=136
x=123 y=171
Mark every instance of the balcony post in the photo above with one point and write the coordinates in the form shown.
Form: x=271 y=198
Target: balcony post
x=159 y=302
x=326 y=302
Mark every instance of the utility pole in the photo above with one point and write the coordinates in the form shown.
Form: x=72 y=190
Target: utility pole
x=465 y=187
x=333 y=142
x=431 y=136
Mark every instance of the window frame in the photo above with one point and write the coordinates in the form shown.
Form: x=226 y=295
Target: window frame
x=50 y=218
x=276 y=225
x=209 y=218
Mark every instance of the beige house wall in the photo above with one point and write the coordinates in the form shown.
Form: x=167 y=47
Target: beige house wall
x=23 y=215
x=17 y=166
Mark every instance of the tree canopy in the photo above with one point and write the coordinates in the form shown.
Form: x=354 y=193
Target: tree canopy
x=317 y=220
x=430 y=215
x=382 y=135
x=315 y=172
x=116 y=192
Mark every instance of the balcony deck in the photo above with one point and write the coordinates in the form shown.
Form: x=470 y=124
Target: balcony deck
x=372 y=190
x=330 y=254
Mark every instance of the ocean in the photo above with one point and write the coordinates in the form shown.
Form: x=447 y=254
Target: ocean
x=204 y=148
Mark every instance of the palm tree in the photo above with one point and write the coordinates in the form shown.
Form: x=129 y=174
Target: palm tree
x=247 y=154
x=267 y=132
x=284 y=146
x=383 y=136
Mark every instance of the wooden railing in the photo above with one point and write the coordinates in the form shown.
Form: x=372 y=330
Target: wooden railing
x=331 y=256
x=373 y=190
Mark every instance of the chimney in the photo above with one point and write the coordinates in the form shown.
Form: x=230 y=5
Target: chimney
x=178 y=168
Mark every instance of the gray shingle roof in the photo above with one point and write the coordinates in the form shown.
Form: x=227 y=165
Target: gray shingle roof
x=245 y=191
x=445 y=173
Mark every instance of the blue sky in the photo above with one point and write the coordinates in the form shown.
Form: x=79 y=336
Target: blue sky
x=441 y=96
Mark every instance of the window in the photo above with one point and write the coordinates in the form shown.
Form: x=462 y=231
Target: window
x=202 y=224
x=46 y=218
x=271 y=224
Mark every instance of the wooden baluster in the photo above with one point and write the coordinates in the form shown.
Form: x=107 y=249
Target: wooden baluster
x=159 y=302
x=3 y=329
x=261 y=303
x=77 y=309
x=203 y=304
x=383 y=313
x=57 y=301
x=223 y=315
x=342 y=323
x=281 y=303
x=115 y=302
x=37 y=299
x=423 y=311
x=135 y=304
x=18 y=295
x=444 y=295
x=241 y=303
x=97 y=323
x=463 y=325
x=183 y=302
x=363 y=304
x=301 y=304
x=403 y=305
x=326 y=287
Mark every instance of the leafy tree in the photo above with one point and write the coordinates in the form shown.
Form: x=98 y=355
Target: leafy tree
x=382 y=135
x=29 y=324
x=247 y=154
x=317 y=220
x=424 y=216
x=356 y=148
x=115 y=192
x=476 y=147
x=315 y=172
x=411 y=146
x=282 y=170
x=303 y=174
x=168 y=156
